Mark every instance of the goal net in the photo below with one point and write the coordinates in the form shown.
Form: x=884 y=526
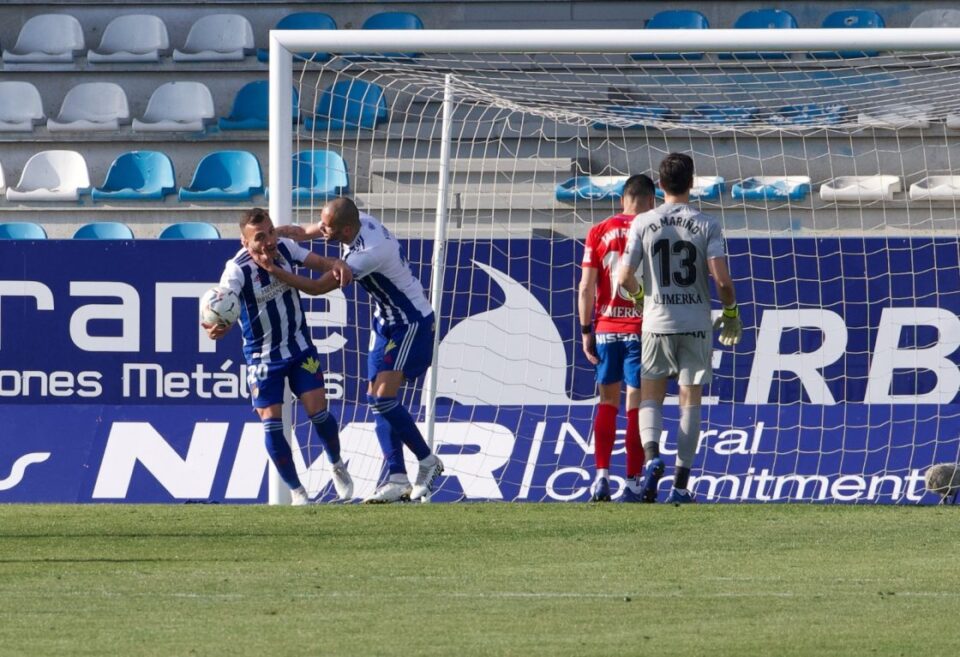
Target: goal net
x=833 y=166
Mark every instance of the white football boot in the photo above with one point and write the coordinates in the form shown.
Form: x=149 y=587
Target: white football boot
x=299 y=497
x=392 y=491
x=342 y=481
x=430 y=468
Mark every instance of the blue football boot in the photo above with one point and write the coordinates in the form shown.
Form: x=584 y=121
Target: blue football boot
x=600 y=491
x=678 y=497
x=652 y=472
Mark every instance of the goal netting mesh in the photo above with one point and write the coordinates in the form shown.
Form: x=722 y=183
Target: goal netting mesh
x=834 y=179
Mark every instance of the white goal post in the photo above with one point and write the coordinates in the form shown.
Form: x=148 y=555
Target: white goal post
x=841 y=147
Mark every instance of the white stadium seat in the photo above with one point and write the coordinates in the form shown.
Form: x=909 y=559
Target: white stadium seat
x=92 y=106
x=860 y=188
x=47 y=39
x=217 y=38
x=20 y=106
x=132 y=38
x=177 y=107
x=52 y=176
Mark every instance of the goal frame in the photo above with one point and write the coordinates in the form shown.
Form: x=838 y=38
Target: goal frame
x=283 y=44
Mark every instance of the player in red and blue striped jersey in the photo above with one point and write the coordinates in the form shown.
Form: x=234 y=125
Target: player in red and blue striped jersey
x=613 y=344
x=403 y=329
x=276 y=343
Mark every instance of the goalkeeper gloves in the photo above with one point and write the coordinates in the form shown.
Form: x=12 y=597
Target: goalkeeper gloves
x=637 y=299
x=730 y=326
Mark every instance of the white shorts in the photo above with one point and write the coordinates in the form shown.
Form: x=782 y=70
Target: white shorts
x=686 y=356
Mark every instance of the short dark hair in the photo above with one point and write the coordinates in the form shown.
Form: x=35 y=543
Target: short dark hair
x=638 y=186
x=344 y=211
x=676 y=173
x=253 y=216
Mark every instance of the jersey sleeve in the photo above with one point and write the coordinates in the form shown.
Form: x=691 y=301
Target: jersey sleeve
x=633 y=253
x=590 y=258
x=298 y=253
x=232 y=277
x=365 y=262
x=716 y=245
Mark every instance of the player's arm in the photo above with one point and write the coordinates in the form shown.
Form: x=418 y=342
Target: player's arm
x=728 y=323
x=313 y=286
x=586 y=297
x=324 y=264
x=299 y=233
x=627 y=271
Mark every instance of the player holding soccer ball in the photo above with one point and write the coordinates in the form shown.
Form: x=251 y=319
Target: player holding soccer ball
x=677 y=246
x=403 y=330
x=277 y=344
x=614 y=346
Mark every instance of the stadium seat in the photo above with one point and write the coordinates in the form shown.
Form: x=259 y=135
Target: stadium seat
x=809 y=114
x=898 y=116
x=138 y=176
x=52 y=176
x=92 y=106
x=627 y=117
x=225 y=176
x=131 y=38
x=319 y=175
x=721 y=114
x=705 y=188
x=936 y=188
x=591 y=188
x=191 y=230
x=251 y=108
x=20 y=106
x=861 y=188
x=177 y=107
x=22 y=230
x=217 y=38
x=849 y=18
x=762 y=19
x=104 y=230
x=937 y=18
x=349 y=105
x=772 y=188
x=675 y=19
x=392 y=20
x=3 y=181
x=307 y=20
x=47 y=39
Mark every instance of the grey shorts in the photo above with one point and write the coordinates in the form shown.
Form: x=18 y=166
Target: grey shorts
x=686 y=356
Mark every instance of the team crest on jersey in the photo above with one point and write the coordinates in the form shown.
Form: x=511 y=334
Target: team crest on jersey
x=311 y=364
x=390 y=346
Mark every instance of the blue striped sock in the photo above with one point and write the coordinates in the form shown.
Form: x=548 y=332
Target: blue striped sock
x=403 y=426
x=279 y=450
x=328 y=432
x=390 y=443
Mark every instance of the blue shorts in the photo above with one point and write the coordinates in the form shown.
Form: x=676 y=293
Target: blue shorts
x=407 y=348
x=266 y=380
x=620 y=355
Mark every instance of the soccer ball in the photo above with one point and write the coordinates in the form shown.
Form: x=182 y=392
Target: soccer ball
x=220 y=305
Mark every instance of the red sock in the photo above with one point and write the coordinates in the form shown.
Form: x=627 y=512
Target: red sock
x=604 y=433
x=634 y=448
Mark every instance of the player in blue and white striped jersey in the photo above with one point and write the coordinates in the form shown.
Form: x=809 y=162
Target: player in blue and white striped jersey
x=276 y=343
x=403 y=330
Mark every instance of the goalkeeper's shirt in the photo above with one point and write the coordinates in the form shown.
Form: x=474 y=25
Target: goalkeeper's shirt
x=670 y=246
x=378 y=263
x=271 y=316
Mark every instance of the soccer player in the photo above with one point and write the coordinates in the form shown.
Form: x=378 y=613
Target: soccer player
x=677 y=246
x=276 y=342
x=613 y=346
x=403 y=329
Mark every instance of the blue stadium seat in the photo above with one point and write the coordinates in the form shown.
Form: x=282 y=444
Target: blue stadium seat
x=772 y=188
x=392 y=20
x=22 y=230
x=191 y=230
x=251 y=108
x=104 y=230
x=850 y=18
x=306 y=20
x=675 y=19
x=762 y=19
x=809 y=114
x=628 y=117
x=319 y=175
x=591 y=188
x=721 y=114
x=349 y=105
x=138 y=176
x=225 y=176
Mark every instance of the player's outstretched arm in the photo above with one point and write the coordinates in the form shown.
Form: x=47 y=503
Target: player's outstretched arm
x=299 y=233
x=326 y=283
x=324 y=264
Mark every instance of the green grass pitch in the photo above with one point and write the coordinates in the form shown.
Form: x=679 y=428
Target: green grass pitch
x=479 y=579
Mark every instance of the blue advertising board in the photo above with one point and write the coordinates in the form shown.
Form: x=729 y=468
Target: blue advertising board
x=844 y=388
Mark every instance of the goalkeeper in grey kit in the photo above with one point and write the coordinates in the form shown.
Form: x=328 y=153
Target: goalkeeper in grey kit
x=674 y=247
